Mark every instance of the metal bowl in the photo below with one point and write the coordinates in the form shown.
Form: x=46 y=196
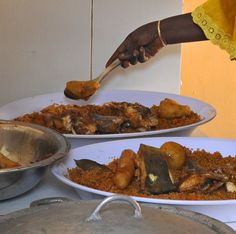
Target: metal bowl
x=34 y=148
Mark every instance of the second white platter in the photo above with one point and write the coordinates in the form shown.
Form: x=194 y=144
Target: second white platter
x=146 y=98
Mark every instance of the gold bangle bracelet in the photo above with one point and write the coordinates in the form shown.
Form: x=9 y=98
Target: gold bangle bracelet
x=159 y=33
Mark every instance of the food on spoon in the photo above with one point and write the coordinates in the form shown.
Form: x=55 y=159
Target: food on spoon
x=109 y=118
x=81 y=89
x=76 y=89
x=125 y=170
x=5 y=162
x=176 y=154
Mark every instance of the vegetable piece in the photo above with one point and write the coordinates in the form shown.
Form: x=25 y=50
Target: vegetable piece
x=169 y=108
x=154 y=173
x=87 y=164
x=126 y=169
x=176 y=154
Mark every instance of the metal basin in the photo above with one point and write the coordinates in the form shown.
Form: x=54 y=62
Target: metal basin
x=34 y=148
x=113 y=215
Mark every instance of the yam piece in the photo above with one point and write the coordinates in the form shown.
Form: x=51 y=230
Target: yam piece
x=169 y=108
x=176 y=154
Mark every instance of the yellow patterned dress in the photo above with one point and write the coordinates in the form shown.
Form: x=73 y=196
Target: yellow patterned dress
x=217 y=18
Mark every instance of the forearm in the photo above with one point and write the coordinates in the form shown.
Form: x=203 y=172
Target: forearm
x=181 y=28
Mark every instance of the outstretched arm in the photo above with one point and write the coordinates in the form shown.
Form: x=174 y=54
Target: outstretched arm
x=181 y=28
x=144 y=42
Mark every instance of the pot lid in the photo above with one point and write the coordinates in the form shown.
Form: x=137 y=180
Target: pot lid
x=115 y=214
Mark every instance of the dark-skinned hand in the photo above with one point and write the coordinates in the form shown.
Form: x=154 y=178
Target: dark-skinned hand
x=140 y=45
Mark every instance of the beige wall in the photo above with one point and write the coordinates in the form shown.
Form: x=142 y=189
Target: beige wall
x=44 y=43
x=209 y=75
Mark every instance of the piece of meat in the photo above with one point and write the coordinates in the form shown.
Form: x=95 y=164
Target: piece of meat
x=108 y=124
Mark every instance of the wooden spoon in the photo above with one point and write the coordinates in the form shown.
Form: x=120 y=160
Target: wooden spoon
x=76 y=89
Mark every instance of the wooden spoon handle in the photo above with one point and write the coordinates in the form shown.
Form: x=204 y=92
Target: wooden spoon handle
x=112 y=66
